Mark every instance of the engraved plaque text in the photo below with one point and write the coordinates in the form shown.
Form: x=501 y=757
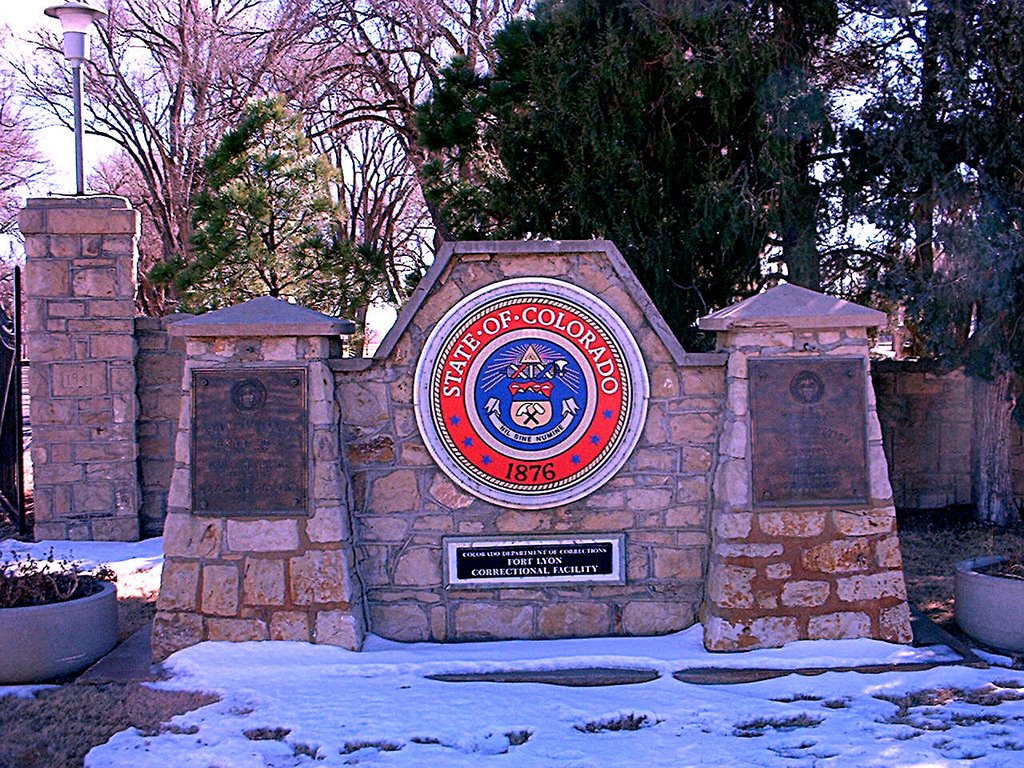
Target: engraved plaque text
x=808 y=432
x=249 y=442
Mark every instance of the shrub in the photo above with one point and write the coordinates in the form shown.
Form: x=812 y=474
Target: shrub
x=27 y=581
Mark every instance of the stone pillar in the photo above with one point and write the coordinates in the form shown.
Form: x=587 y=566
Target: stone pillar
x=239 y=573
x=804 y=541
x=79 y=309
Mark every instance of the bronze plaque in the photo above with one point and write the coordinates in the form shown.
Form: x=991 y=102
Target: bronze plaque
x=249 y=445
x=808 y=432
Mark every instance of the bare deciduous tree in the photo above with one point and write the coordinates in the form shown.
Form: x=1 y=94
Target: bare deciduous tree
x=20 y=159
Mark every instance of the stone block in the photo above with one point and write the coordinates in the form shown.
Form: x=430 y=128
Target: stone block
x=641 y=617
x=839 y=626
x=574 y=620
x=395 y=492
x=894 y=624
x=684 y=517
x=220 y=590
x=79 y=379
x=805 y=594
x=116 y=528
x=375 y=450
x=692 y=428
x=189 y=536
x=482 y=621
x=758 y=551
x=327 y=525
x=419 y=567
x=766 y=632
x=179 y=586
x=887 y=553
x=730 y=586
x=839 y=557
x=864 y=523
x=735 y=525
x=263 y=582
x=665 y=381
x=262 y=535
x=290 y=625
x=445 y=493
x=778 y=570
x=522 y=521
x=791 y=524
x=732 y=483
x=404 y=622
x=236 y=630
x=174 y=631
x=681 y=564
x=697 y=459
x=872 y=586
x=319 y=577
x=339 y=628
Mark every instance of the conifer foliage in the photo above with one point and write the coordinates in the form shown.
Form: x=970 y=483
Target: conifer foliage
x=266 y=224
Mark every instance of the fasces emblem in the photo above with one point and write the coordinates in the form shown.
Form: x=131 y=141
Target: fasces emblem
x=531 y=393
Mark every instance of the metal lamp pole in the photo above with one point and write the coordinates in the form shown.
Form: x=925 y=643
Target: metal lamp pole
x=75 y=19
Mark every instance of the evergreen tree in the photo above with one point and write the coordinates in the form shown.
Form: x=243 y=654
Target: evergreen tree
x=938 y=173
x=266 y=224
x=685 y=132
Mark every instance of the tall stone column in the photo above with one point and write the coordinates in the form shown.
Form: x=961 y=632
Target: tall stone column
x=804 y=528
x=80 y=278
x=258 y=536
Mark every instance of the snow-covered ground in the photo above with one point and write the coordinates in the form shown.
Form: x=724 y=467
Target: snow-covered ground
x=295 y=704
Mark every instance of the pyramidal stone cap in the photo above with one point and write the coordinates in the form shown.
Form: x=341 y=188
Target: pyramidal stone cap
x=791 y=306
x=263 y=316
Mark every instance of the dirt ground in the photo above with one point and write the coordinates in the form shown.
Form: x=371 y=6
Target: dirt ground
x=59 y=726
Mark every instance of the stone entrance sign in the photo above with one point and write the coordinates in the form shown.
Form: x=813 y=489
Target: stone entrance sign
x=476 y=562
x=249 y=442
x=807 y=427
x=531 y=393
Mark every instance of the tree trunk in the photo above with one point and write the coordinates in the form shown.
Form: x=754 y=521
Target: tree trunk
x=990 y=454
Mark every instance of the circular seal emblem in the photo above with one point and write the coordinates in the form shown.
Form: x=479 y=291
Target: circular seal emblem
x=531 y=393
x=248 y=395
x=807 y=387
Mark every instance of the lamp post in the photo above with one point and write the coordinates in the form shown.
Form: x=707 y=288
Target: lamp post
x=75 y=19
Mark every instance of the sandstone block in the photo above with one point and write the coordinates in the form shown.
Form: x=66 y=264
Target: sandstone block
x=647 y=499
x=838 y=557
x=732 y=483
x=236 y=630
x=327 y=525
x=339 y=628
x=395 y=492
x=444 y=492
x=703 y=381
x=189 y=536
x=220 y=590
x=375 y=450
x=805 y=594
x=573 y=620
x=116 y=528
x=419 y=566
x=791 y=524
x=894 y=624
x=887 y=553
x=733 y=525
x=405 y=622
x=749 y=550
x=656 y=618
x=174 y=631
x=319 y=577
x=684 y=517
x=696 y=459
x=682 y=564
x=487 y=621
x=838 y=626
x=262 y=535
x=778 y=570
x=872 y=586
x=730 y=586
x=263 y=582
x=290 y=625
x=690 y=428
x=179 y=586
x=766 y=632
x=864 y=523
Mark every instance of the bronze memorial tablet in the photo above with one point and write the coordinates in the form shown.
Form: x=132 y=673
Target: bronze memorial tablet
x=808 y=432
x=249 y=450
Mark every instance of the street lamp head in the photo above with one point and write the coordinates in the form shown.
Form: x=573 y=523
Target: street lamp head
x=75 y=19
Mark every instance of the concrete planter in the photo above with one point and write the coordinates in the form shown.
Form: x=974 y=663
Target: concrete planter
x=988 y=608
x=42 y=642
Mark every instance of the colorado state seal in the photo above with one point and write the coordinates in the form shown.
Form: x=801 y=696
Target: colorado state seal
x=531 y=393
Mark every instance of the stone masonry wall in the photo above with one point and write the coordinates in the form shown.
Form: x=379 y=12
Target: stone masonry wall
x=926 y=418
x=158 y=368
x=79 y=318
x=782 y=574
x=404 y=504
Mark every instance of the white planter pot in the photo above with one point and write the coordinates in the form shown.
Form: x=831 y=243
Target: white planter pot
x=989 y=608
x=41 y=642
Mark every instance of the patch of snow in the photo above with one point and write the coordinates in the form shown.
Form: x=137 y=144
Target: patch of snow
x=24 y=691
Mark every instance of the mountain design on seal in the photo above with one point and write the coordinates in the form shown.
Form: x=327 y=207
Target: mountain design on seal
x=530 y=394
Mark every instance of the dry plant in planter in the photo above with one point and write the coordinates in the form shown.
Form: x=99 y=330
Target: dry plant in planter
x=55 y=619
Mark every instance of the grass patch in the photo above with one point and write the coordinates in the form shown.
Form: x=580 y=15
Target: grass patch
x=57 y=727
x=798 y=697
x=760 y=726
x=630 y=722
x=380 y=746
x=266 y=734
